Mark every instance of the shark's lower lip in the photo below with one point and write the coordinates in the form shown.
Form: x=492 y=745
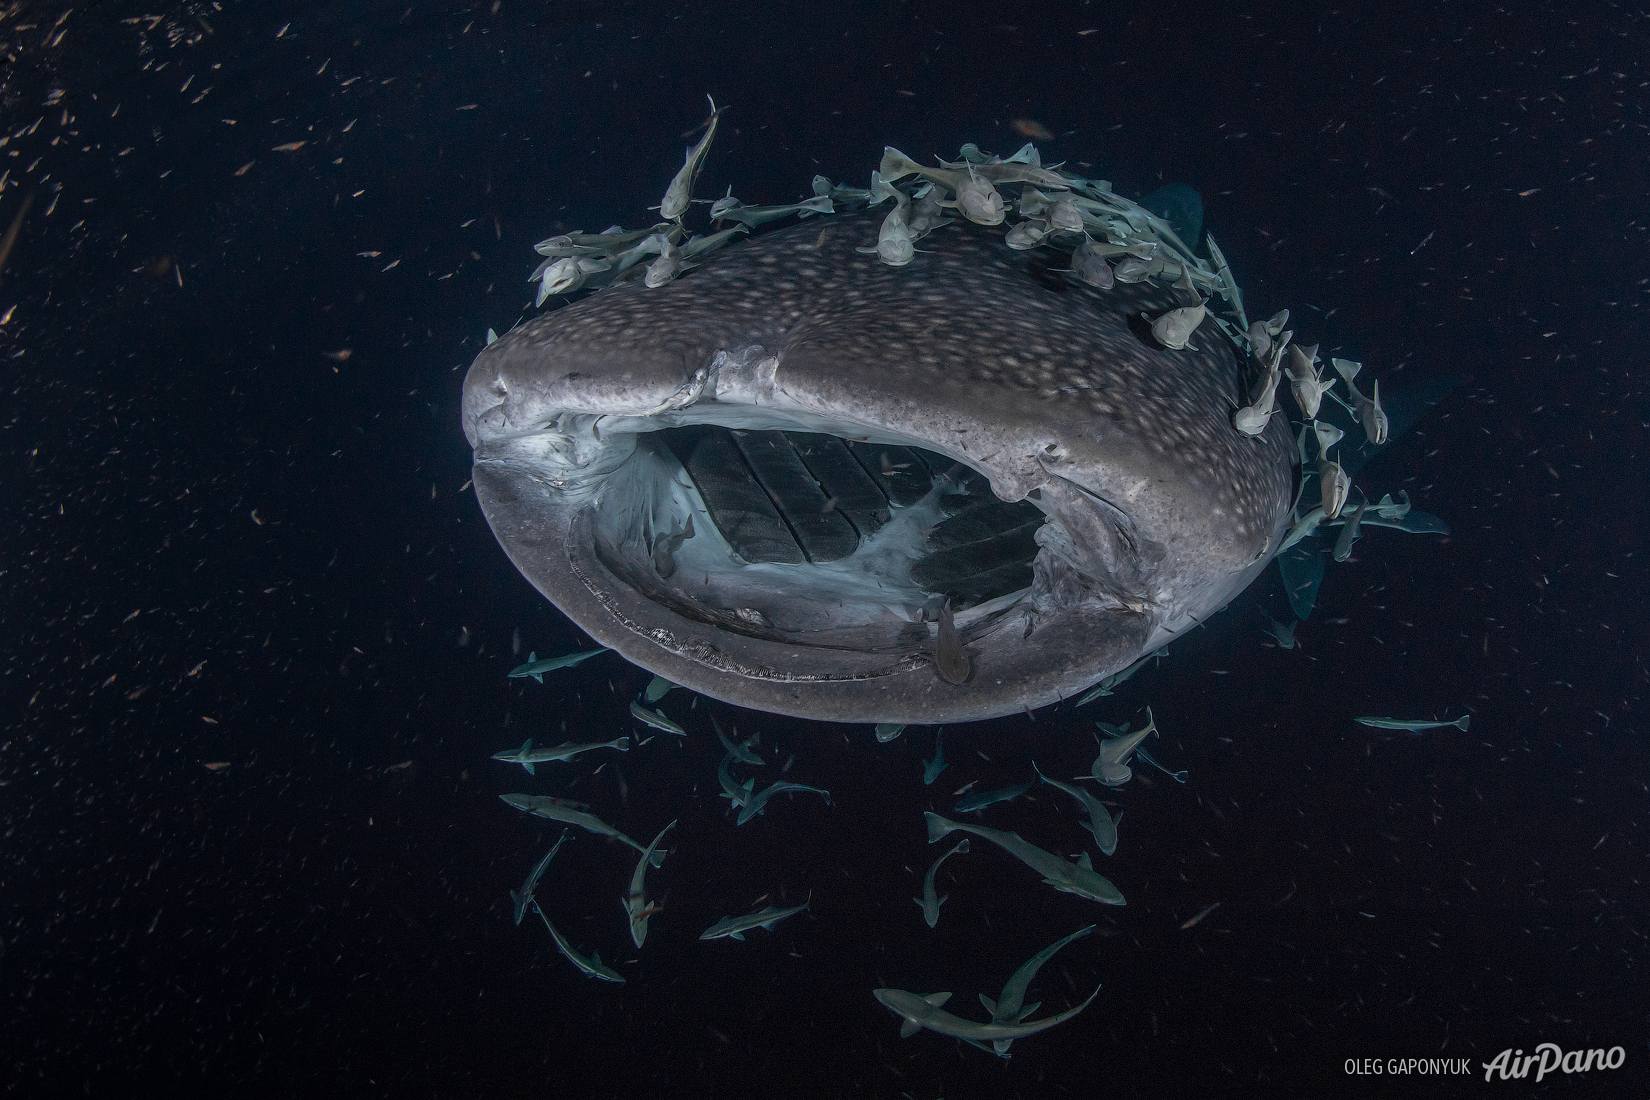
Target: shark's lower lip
x=775 y=604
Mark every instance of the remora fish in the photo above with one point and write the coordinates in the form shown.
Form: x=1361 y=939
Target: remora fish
x=656 y=719
x=557 y=809
x=1110 y=767
x=592 y=966
x=1011 y=1008
x=738 y=793
x=1405 y=724
x=1143 y=529
x=527 y=755
x=1349 y=533
x=680 y=191
x=930 y=901
x=1078 y=878
x=931 y=769
x=759 y=801
x=743 y=751
x=925 y=1012
x=537 y=668
x=1099 y=822
x=1105 y=686
x=735 y=927
x=979 y=800
x=523 y=898
x=636 y=905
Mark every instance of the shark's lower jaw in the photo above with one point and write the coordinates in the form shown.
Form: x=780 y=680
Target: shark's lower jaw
x=818 y=558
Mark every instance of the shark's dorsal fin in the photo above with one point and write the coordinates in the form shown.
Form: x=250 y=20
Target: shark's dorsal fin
x=990 y=1005
x=909 y=1028
x=937 y=999
x=527 y=745
x=1085 y=862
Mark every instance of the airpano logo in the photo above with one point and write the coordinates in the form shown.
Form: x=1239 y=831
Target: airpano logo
x=1551 y=1058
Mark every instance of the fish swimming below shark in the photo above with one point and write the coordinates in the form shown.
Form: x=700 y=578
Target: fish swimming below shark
x=1078 y=878
x=536 y=668
x=917 y=1012
x=734 y=928
x=527 y=756
x=810 y=435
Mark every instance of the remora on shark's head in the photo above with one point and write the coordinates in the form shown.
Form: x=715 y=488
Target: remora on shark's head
x=856 y=445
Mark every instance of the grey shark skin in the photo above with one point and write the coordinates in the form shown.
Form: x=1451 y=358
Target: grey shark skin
x=1159 y=512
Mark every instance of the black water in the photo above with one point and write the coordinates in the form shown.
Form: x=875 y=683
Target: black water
x=223 y=542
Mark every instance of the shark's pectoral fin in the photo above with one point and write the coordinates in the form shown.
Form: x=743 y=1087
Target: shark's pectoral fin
x=937 y=999
x=909 y=1027
x=1028 y=1010
x=990 y=1005
x=919 y=902
x=529 y=768
x=740 y=936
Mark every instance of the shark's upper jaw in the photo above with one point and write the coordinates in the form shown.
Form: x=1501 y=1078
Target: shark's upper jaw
x=845 y=467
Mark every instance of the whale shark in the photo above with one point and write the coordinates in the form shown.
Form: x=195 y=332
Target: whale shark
x=951 y=490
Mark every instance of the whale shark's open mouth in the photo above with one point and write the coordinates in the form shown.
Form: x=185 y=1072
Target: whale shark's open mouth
x=872 y=533
x=777 y=480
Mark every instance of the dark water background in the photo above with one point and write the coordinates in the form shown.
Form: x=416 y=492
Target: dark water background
x=219 y=545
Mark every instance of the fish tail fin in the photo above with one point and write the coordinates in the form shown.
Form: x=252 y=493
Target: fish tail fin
x=622 y=744
x=895 y=165
x=937 y=826
x=1461 y=723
